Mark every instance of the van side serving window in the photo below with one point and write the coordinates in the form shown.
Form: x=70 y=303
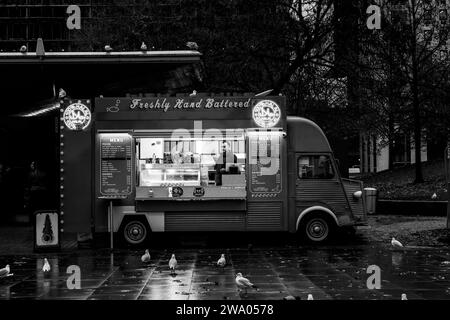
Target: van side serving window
x=315 y=167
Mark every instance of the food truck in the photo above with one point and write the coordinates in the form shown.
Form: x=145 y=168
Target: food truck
x=137 y=165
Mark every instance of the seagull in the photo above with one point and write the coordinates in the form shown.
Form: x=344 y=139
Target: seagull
x=143 y=46
x=62 y=93
x=395 y=243
x=23 y=49
x=243 y=283
x=404 y=296
x=46 y=267
x=193 y=94
x=310 y=296
x=5 y=272
x=146 y=257
x=173 y=264
x=292 y=298
x=108 y=48
x=222 y=262
x=434 y=196
x=192 y=45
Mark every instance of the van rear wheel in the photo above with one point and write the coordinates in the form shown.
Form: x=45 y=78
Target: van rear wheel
x=317 y=228
x=135 y=232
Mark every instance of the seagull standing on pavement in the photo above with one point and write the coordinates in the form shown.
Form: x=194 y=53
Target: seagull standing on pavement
x=395 y=243
x=173 y=264
x=5 y=272
x=46 y=267
x=146 y=257
x=222 y=262
x=243 y=283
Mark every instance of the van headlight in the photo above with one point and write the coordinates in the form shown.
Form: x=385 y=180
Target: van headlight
x=357 y=194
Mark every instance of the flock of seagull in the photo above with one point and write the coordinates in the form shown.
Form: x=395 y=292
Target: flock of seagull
x=242 y=283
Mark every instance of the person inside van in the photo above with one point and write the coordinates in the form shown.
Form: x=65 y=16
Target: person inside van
x=223 y=162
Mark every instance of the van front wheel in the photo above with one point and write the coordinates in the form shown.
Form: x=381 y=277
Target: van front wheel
x=317 y=228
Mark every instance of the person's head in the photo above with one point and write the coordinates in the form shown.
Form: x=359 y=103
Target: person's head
x=226 y=146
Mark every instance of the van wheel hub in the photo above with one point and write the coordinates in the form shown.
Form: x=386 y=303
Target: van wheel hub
x=135 y=232
x=317 y=229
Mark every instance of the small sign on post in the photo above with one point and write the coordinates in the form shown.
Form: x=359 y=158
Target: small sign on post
x=46 y=230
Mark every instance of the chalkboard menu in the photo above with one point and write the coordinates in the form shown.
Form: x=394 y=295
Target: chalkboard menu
x=265 y=164
x=115 y=164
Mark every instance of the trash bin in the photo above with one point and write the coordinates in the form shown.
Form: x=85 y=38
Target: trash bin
x=371 y=200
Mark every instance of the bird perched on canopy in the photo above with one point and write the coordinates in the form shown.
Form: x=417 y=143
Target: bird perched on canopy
x=192 y=45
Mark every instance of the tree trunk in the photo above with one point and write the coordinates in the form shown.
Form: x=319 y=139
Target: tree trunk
x=391 y=143
x=415 y=93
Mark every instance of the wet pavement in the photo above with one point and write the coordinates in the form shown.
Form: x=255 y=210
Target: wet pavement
x=336 y=271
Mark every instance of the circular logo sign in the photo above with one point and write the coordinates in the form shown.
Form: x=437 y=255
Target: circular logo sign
x=199 y=191
x=77 y=116
x=266 y=113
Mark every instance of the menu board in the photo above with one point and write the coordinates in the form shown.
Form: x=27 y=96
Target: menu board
x=265 y=164
x=115 y=164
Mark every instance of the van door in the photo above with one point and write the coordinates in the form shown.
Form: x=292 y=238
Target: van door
x=318 y=184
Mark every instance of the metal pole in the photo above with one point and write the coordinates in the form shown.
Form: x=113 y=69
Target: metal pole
x=111 y=230
x=447 y=175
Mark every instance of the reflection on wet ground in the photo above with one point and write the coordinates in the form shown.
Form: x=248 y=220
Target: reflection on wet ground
x=336 y=271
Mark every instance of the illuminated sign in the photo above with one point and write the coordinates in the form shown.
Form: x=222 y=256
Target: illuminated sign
x=266 y=113
x=77 y=116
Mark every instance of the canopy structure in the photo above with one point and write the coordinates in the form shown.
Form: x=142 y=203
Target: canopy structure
x=31 y=80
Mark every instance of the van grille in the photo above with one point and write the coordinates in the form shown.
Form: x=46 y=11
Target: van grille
x=204 y=221
x=264 y=216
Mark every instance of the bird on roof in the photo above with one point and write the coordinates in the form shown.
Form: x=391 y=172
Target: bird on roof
x=404 y=296
x=143 y=46
x=292 y=298
x=395 y=243
x=146 y=256
x=173 y=264
x=46 y=267
x=434 y=196
x=192 y=45
x=62 y=93
x=222 y=262
x=243 y=283
x=193 y=94
x=5 y=272
x=108 y=48
x=23 y=49
x=310 y=296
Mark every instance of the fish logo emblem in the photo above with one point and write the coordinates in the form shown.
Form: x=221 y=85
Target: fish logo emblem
x=114 y=108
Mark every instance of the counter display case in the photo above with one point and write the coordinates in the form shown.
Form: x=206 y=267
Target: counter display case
x=160 y=175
